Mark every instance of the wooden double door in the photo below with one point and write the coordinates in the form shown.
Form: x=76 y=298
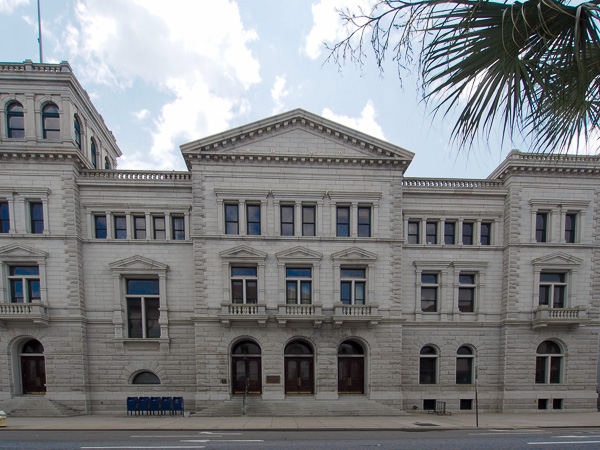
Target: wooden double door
x=351 y=375
x=33 y=374
x=247 y=370
x=299 y=375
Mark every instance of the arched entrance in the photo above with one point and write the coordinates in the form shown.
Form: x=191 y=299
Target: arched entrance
x=299 y=368
x=33 y=368
x=246 y=370
x=351 y=368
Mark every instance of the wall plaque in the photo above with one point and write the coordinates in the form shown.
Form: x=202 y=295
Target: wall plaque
x=273 y=379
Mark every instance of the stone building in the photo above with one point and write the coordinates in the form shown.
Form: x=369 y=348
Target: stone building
x=292 y=259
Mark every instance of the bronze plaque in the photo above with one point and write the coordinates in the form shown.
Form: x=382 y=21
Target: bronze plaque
x=273 y=379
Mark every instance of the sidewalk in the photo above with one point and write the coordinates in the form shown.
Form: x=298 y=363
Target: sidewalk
x=410 y=422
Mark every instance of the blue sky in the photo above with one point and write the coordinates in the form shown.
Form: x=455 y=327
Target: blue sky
x=163 y=73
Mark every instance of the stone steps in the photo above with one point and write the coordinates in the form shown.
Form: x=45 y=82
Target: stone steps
x=354 y=406
x=35 y=407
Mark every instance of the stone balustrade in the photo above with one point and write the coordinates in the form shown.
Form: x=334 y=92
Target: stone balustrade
x=544 y=316
x=355 y=313
x=134 y=175
x=243 y=312
x=300 y=313
x=34 y=312
x=450 y=183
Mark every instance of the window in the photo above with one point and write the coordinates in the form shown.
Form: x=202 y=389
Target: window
x=145 y=378
x=4 y=218
x=449 y=233
x=431 y=232
x=244 y=285
x=429 y=292
x=464 y=365
x=364 y=221
x=106 y=163
x=139 y=227
x=486 y=233
x=100 y=227
x=120 y=227
x=308 y=221
x=343 y=221
x=541 y=227
x=548 y=363
x=232 y=220
x=253 y=220
x=50 y=122
x=36 y=217
x=353 y=286
x=413 y=232
x=429 y=404
x=94 y=154
x=542 y=403
x=557 y=403
x=467 y=229
x=15 y=121
x=24 y=284
x=466 y=404
x=298 y=286
x=178 y=227
x=428 y=365
x=159 y=226
x=143 y=303
x=77 y=132
x=287 y=220
x=466 y=292
x=553 y=288
x=570 y=226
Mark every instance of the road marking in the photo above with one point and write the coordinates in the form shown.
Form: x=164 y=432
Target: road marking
x=564 y=443
x=575 y=437
x=148 y=436
x=509 y=432
x=221 y=440
x=145 y=446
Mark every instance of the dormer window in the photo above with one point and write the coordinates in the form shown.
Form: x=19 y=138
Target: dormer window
x=50 y=122
x=15 y=121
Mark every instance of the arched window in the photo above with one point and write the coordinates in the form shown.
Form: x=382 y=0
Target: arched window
x=428 y=365
x=246 y=348
x=77 y=132
x=246 y=368
x=33 y=367
x=351 y=368
x=548 y=363
x=464 y=365
x=299 y=367
x=15 y=121
x=94 y=154
x=145 y=377
x=50 y=122
x=106 y=163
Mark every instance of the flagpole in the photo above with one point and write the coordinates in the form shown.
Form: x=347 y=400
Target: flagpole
x=40 y=31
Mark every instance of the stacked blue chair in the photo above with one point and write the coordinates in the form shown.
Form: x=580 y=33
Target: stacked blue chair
x=143 y=405
x=166 y=406
x=178 y=405
x=132 y=405
x=154 y=405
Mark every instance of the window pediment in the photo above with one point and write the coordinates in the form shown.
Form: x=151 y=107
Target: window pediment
x=243 y=252
x=21 y=251
x=354 y=254
x=557 y=259
x=297 y=253
x=138 y=263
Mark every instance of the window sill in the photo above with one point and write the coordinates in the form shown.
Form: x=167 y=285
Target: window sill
x=135 y=345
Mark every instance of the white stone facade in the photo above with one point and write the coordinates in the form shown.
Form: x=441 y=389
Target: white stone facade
x=293 y=253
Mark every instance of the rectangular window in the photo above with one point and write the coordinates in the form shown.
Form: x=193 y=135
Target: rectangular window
x=548 y=369
x=298 y=286
x=570 y=225
x=427 y=371
x=429 y=292
x=553 y=288
x=466 y=404
x=244 y=285
x=120 y=227
x=431 y=229
x=353 y=286
x=159 y=227
x=557 y=403
x=139 y=227
x=467 y=230
x=4 y=218
x=464 y=370
x=449 y=233
x=24 y=284
x=542 y=403
x=143 y=308
x=364 y=221
x=36 y=216
x=343 y=221
x=287 y=220
x=413 y=232
x=232 y=219
x=178 y=228
x=486 y=233
x=541 y=227
x=100 y=227
x=466 y=292
x=429 y=404
x=309 y=220
x=253 y=220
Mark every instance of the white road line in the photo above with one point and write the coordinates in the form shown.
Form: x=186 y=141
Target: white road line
x=148 y=436
x=564 y=443
x=509 y=432
x=575 y=437
x=222 y=440
x=145 y=446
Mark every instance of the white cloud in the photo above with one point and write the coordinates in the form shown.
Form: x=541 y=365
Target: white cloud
x=366 y=123
x=278 y=93
x=8 y=6
x=141 y=115
x=327 y=25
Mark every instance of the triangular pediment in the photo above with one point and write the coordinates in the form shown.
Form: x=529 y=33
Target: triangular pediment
x=138 y=263
x=243 y=252
x=558 y=259
x=298 y=253
x=296 y=134
x=354 y=253
x=21 y=251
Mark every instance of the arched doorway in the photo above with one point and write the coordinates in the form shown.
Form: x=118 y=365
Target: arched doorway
x=33 y=368
x=246 y=370
x=299 y=368
x=351 y=368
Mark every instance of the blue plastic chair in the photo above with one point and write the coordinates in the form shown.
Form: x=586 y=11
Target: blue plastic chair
x=166 y=405
x=143 y=405
x=178 y=404
x=154 y=405
x=132 y=405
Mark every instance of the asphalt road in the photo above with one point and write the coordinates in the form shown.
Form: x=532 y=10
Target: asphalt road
x=563 y=438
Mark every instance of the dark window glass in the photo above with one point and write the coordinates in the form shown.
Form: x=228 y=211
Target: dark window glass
x=486 y=233
x=352 y=273
x=429 y=404
x=364 y=221
x=298 y=273
x=178 y=228
x=159 y=226
x=4 y=218
x=142 y=287
x=243 y=271
x=253 y=219
x=468 y=233
x=287 y=220
x=232 y=225
x=413 y=232
x=244 y=287
x=145 y=378
x=297 y=348
x=134 y=318
x=15 y=121
x=541 y=227
x=152 y=315
x=429 y=293
x=542 y=403
x=552 y=289
x=77 y=133
x=106 y=163
x=298 y=286
x=431 y=232
x=548 y=363
x=343 y=221
x=428 y=365
x=251 y=291
x=350 y=348
x=143 y=308
x=50 y=122
x=449 y=232
x=353 y=286
x=94 y=154
x=139 y=227
x=120 y=227
x=346 y=292
x=237 y=291
x=466 y=404
x=464 y=366
x=24 y=284
x=309 y=221
x=100 y=225
x=570 y=224
x=557 y=403
x=36 y=213
x=246 y=348
x=466 y=293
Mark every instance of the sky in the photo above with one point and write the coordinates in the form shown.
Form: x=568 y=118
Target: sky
x=163 y=73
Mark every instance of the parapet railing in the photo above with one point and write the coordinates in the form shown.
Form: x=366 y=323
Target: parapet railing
x=22 y=309
x=450 y=183
x=134 y=175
